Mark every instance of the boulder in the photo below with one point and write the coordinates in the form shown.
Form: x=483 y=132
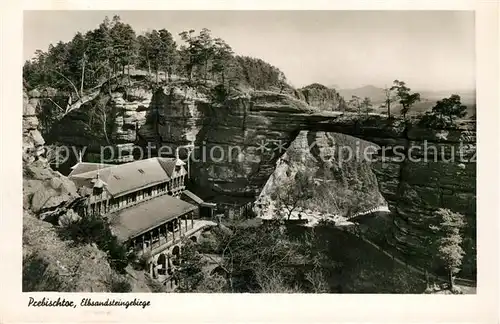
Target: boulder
x=68 y=218
x=41 y=197
x=29 y=123
x=37 y=137
x=321 y=97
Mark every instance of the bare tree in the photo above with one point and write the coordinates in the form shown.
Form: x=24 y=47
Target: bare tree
x=86 y=97
x=293 y=193
x=389 y=99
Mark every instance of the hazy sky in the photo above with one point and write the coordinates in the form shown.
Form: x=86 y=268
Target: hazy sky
x=427 y=49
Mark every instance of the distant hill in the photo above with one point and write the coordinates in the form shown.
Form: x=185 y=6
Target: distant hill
x=376 y=94
x=468 y=96
x=428 y=98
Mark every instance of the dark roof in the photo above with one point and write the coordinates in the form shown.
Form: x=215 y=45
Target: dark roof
x=129 y=177
x=168 y=164
x=84 y=167
x=192 y=196
x=135 y=220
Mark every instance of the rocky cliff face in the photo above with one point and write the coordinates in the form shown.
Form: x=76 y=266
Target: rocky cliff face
x=341 y=187
x=439 y=171
x=176 y=115
x=49 y=263
x=33 y=142
x=239 y=139
x=130 y=109
x=322 y=97
x=43 y=189
x=257 y=127
x=113 y=118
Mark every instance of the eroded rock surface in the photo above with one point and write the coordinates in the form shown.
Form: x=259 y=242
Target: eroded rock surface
x=322 y=97
x=239 y=139
x=43 y=188
x=342 y=187
x=33 y=142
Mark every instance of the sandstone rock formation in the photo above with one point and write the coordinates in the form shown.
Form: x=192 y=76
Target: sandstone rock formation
x=49 y=263
x=43 y=188
x=239 y=139
x=342 y=187
x=441 y=176
x=322 y=97
x=32 y=139
x=413 y=188
x=176 y=115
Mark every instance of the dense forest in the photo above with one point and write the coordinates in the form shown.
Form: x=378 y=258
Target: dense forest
x=114 y=48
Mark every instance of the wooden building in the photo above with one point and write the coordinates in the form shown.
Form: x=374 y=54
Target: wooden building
x=142 y=200
x=110 y=188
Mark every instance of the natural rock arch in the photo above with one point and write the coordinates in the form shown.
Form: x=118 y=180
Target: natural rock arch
x=412 y=190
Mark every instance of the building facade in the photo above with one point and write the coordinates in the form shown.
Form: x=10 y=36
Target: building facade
x=111 y=188
x=142 y=201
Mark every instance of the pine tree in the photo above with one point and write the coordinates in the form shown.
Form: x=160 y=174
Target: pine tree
x=450 y=107
x=449 y=249
x=77 y=60
x=406 y=98
x=355 y=102
x=124 y=49
x=367 y=105
x=222 y=58
x=168 y=52
x=193 y=51
x=144 y=50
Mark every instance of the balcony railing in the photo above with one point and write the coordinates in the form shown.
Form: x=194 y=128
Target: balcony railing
x=164 y=243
